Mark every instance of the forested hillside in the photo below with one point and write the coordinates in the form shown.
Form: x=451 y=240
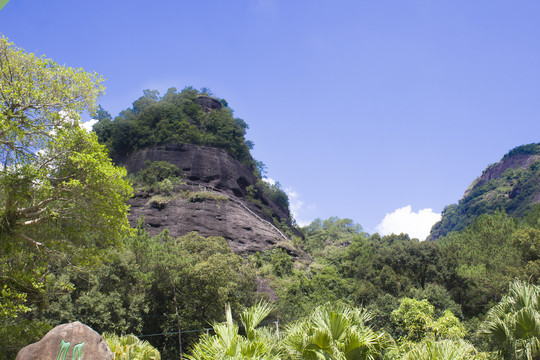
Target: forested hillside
x=512 y=185
x=325 y=291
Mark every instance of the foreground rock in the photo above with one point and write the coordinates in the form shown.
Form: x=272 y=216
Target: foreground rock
x=68 y=341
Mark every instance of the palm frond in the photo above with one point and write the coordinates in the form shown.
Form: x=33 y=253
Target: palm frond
x=253 y=316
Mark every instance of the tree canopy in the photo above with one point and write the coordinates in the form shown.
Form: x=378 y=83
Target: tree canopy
x=176 y=117
x=60 y=194
x=37 y=98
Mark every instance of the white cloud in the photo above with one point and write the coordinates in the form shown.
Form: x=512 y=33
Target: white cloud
x=88 y=125
x=269 y=181
x=296 y=205
x=404 y=220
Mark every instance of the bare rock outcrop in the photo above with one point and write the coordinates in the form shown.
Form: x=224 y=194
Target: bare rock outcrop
x=220 y=207
x=208 y=103
x=496 y=170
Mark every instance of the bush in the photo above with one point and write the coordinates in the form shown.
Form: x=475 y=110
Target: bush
x=165 y=187
x=201 y=196
x=281 y=262
x=156 y=172
x=130 y=347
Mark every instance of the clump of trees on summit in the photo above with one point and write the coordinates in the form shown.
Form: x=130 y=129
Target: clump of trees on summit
x=173 y=118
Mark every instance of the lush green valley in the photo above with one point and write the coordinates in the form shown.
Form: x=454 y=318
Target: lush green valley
x=333 y=292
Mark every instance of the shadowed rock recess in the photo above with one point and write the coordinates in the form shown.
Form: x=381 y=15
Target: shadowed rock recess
x=221 y=207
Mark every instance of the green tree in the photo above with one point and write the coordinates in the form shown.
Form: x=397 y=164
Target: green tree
x=484 y=259
x=109 y=298
x=176 y=117
x=60 y=195
x=191 y=280
x=416 y=320
x=332 y=231
x=52 y=170
x=37 y=98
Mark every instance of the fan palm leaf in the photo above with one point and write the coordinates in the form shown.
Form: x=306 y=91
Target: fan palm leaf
x=130 y=347
x=334 y=331
x=514 y=323
x=448 y=349
x=228 y=344
x=252 y=317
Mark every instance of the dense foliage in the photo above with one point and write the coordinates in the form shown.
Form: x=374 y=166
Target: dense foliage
x=154 y=285
x=175 y=117
x=60 y=195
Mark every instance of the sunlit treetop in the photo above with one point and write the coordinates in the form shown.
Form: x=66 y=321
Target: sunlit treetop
x=37 y=98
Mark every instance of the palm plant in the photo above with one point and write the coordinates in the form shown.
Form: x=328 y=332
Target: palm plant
x=130 y=347
x=513 y=324
x=335 y=331
x=448 y=349
x=227 y=343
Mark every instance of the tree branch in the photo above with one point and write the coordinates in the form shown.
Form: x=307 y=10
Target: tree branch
x=36 y=209
x=22 y=236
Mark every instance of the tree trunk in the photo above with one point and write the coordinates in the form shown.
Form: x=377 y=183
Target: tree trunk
x=177 y=317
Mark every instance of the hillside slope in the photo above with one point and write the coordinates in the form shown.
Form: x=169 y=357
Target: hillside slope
x=512 y=185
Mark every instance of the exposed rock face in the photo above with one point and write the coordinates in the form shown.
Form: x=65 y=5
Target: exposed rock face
x=208 y=103
x=221 y=210
x=512 y=185
x=68 y=341
x=206 y=165
x=495 y=171
x=215 y=214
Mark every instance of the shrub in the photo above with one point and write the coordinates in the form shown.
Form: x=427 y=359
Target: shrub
x=130 y=347
x=157 y=171
x=201 y=196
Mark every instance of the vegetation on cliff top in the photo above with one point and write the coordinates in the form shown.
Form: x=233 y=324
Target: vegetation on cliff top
x=175 y=117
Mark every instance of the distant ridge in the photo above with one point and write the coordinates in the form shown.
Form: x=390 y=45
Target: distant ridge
x=512 y=185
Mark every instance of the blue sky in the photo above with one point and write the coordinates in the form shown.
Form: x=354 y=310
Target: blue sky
x=358 y=108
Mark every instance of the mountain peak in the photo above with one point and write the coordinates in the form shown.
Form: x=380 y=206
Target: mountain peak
x=512 y=185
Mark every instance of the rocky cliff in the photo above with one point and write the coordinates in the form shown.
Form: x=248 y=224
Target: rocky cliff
x=512 y=185
x=212 y=199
